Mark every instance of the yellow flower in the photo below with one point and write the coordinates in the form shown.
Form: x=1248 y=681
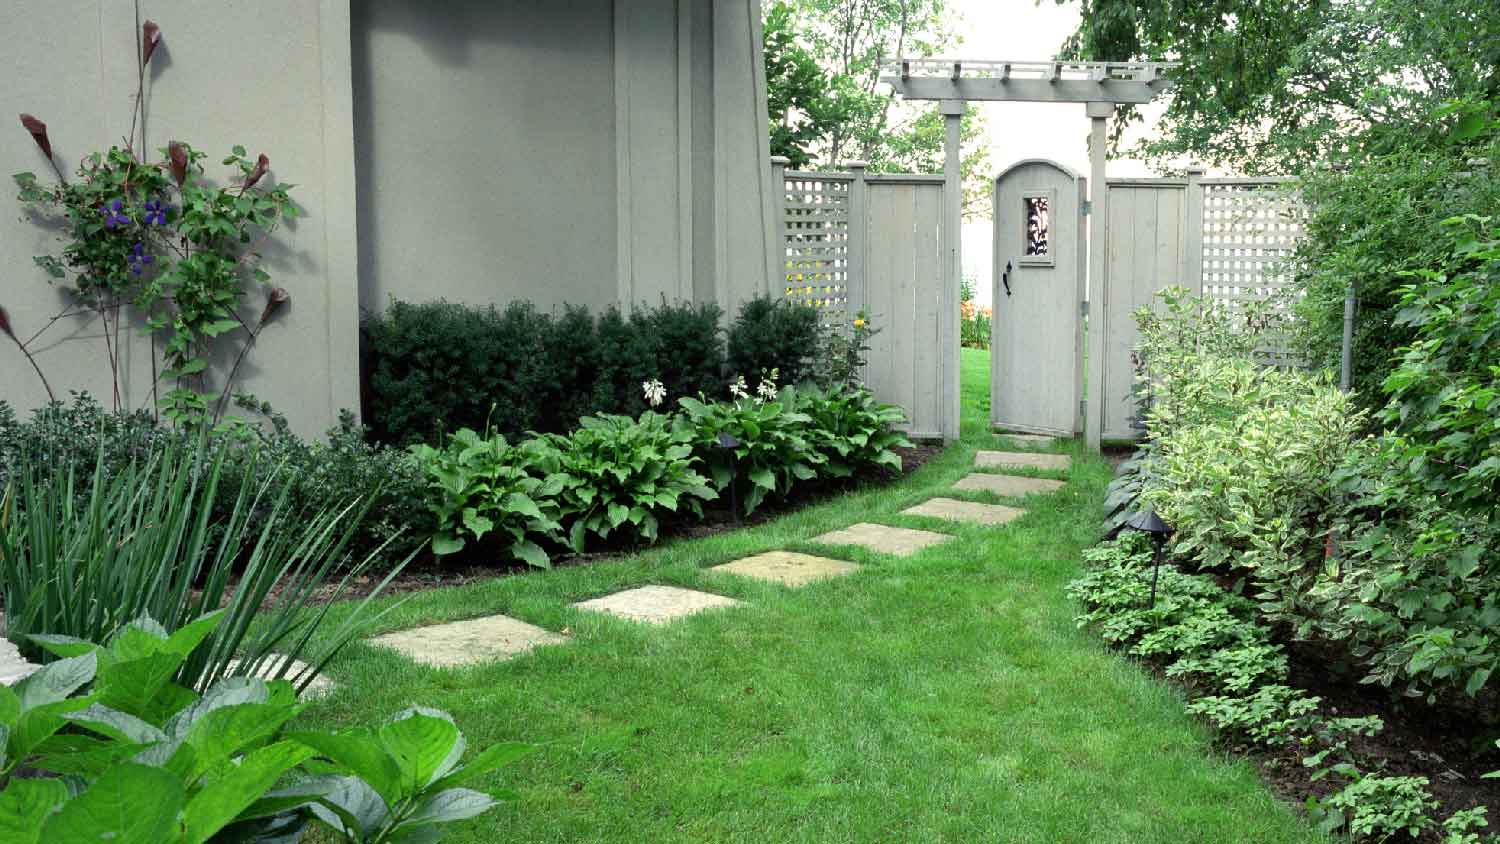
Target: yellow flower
x=859 y=323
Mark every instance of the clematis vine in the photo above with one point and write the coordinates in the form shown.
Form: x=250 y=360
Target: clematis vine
x=114 y=215
x=138 y=259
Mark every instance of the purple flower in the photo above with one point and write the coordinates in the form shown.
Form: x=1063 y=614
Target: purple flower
x=114 y=215
x=156 y=213
x=138 y=259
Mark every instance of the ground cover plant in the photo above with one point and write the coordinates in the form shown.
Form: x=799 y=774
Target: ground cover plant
x=623 y=476
x=102 y=745
x=943 y=697
x=1345 y=549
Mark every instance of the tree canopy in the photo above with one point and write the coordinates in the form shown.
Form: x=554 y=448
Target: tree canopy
x=827 y=105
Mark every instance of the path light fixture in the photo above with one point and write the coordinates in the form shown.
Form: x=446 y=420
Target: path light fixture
x=1149 y=523
x=728 y=443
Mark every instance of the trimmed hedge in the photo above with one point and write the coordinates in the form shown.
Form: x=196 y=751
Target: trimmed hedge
x=437 y=367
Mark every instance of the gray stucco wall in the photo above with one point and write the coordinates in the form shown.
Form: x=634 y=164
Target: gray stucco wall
x=271 y=75
x=581 y=151
x=485 y=150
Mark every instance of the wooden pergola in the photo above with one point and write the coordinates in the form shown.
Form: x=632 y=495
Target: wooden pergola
x=1100 y=86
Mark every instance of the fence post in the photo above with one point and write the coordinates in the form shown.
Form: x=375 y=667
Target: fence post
x=1192 y=277
x=859 y=239
x=776 y=230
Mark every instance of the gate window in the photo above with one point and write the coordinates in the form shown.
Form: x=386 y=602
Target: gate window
x=1036 y=219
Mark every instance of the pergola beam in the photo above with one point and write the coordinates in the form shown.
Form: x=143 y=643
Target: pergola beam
x=1037 y=82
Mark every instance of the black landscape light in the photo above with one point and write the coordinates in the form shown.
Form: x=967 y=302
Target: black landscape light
x=729 y=444
x=1148 y=522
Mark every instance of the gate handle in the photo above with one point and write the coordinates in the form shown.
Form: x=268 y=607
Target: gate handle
x=1005 y=278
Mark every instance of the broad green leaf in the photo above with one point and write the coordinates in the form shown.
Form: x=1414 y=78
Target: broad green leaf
x=130 y=804
x=419 y=739
x=762 y=477
x=82 y=755
x=117 y=725
x=55 y=681
x=186 y=638
x=25 y=806
x=531 y=554
x=454 y=804
x=64 y=646
x=360 y=752
x=222 y=800
x=486 y=761
x=10 y=706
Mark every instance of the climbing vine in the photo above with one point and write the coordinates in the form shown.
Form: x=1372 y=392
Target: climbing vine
x=161 y=246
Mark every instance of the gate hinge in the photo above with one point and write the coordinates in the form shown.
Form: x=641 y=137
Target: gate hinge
x=1088 y=206
x=1083 y=308
x=1083 y=408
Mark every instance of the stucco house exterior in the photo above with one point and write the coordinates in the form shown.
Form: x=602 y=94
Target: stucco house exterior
x=591 y=152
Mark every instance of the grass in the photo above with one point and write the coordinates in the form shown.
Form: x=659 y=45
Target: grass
x=947 y=696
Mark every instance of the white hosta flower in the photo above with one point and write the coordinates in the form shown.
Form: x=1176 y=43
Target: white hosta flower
x=766 y=390
x=739 y=389
x=654 y=391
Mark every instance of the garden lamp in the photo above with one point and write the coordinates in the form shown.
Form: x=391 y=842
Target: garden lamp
x=729 y=444
x=1148 y=522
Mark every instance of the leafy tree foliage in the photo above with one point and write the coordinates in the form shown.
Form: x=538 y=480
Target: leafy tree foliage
x=846 y=114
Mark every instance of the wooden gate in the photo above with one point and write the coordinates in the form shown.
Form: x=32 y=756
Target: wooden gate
x=854 y=242
x=1036 y=349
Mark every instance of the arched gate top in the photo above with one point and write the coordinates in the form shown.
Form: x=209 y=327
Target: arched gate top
x=1065 y=169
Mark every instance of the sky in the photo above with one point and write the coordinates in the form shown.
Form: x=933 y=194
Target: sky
x=1026 y=30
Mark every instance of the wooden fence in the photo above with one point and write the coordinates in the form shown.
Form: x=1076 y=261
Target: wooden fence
x=1229 y=239
x=857 y=241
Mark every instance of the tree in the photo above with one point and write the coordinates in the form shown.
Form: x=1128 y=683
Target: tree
x=805 y=108
x=1276 y=85
x=849 y=115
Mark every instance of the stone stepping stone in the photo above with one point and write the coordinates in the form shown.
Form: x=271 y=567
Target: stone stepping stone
x=467 y=642
x=1034 y=439
x=656 y=604
x=1010 y=486
x=788 y=568
x=319 y=686
x=13 y=667
x=899 y=541
x=965 y=511
x=1022 y=460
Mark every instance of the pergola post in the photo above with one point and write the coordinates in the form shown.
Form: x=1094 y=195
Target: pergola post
x=1099 y=114
x=953 y=115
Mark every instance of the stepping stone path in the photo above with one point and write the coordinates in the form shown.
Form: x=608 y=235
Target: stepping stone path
x=965 y=511
x=1011 y=486
x=1035 y=439
x=788 y=568
x=13 y=667
x=656 y=604
x=901 y=542
x=467 y=642
x=1023 y=460
x=319 y=686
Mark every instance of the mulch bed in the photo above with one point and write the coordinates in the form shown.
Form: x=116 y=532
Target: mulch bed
x=471 y=566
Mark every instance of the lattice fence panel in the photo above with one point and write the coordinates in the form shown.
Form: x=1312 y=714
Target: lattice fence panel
x=815 y=230
x=1250 y=232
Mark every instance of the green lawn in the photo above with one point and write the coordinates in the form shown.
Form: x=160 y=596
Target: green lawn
x=942 y=697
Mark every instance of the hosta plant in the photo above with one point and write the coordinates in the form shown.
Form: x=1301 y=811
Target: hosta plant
x=621 y=474
x=849 y=428
x=763 y=441
x=138 y=758
x=481 y=485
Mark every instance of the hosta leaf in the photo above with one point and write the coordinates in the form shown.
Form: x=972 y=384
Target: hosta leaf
x=222 y=800
x=531 y=554
x=24 y=807
x=761 y=477
x=420 y=740
x=521 y=503
x=618 y=513
x=130 y=804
